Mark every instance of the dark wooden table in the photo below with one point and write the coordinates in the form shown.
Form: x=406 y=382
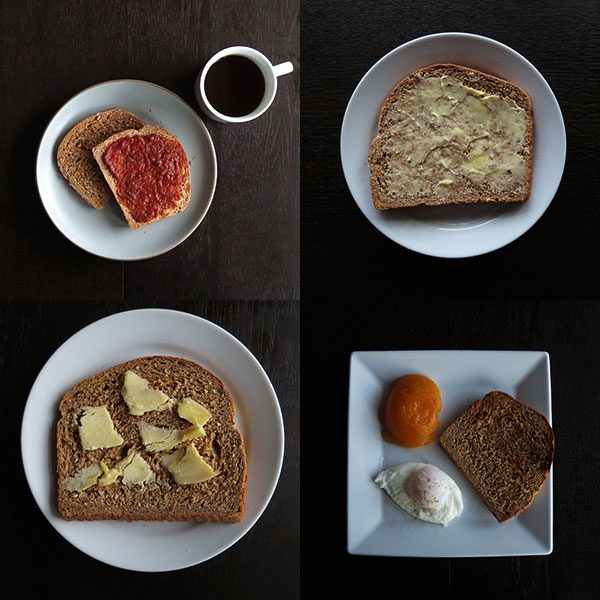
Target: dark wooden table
x=557 y=257
x=568 y=331
x=361 y=291
x=239 y=269
x=248 y=245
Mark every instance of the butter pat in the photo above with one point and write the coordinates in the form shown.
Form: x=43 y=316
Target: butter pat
x=96 y=429
x=135 y=469
x=191 y=432
x=84 y=478
x=479 y=164
x=140 y=397
x=188 y=466
x=158 y=439
x=108 y=476
x=192 y=411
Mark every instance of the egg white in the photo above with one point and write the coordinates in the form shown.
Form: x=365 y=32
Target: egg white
x=445 y=498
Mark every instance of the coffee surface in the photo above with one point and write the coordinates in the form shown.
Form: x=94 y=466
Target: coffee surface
x=234 y=86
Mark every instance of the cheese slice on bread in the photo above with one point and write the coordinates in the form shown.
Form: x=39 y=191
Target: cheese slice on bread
x=452 y=135
x=504 y=449
x=129 y=481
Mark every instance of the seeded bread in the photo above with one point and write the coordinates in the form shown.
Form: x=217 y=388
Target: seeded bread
x=427 y=148
x=221 y=498
x=504 y=449
x=184 y=190
x=76 y=161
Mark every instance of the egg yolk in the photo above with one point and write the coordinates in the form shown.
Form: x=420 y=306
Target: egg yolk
x=411 y=411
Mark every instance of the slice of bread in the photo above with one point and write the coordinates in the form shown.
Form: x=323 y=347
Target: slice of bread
x=76 y=161
x=504 y=449
x=144 y=200
x=221 y=498
x=452 y=135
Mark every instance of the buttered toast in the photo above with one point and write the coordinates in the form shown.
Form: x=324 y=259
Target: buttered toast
x=448 y=134
x=150 y=439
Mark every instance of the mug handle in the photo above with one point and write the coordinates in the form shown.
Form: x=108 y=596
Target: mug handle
x=283 y=68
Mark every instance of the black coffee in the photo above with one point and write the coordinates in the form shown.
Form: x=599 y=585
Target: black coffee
x=234 y=85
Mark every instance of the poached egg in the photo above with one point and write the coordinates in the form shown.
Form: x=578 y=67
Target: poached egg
x=423 y=491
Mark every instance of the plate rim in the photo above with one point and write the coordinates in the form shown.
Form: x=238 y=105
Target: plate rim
x=278 y=450
x=552 y=96
x=542 y=355
x=213 y=158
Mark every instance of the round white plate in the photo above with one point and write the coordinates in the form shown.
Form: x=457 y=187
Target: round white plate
x=454 y=231
x=105 y=232
x=154 y=546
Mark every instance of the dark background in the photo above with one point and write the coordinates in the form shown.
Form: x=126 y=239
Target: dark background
x=50 y=50
x=556 y=258
x=37 y=560
x=361 y=291
x=239 y=269
x=566 y=329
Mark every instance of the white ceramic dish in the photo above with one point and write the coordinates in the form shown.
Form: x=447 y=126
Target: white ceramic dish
x=376 y=525
x=454 y=231
x=154 y=546
x=105 y=232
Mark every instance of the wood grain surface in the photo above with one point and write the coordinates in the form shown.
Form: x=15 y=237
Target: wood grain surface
x=239 y=269
x=281 y=189
x=30 y=331
x=248 y=245
x=568 y=330
x=361 y=291
x=556 y=258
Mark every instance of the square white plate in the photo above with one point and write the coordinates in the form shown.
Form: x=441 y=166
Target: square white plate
x=376 y=525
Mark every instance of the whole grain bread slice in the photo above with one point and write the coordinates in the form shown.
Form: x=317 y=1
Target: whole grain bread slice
x=504 y=449
x=445 y=185
x=169 y=209
x=221 y=498
x=76 y=161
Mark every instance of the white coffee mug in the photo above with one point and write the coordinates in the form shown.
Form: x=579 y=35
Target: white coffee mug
x=270 y=73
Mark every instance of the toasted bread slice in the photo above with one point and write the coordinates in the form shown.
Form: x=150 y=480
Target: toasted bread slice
x=150 y=182
x=220 y=498
x=76 y=161
x=452 y=135
x=504 y=449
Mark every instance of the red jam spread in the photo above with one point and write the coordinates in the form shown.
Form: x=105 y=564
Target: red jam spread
x=149 y=171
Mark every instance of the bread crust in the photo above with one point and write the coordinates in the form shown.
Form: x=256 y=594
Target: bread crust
x=490 y=84
x=221 y=498
x=75 y=159
x=473 y=439
x=184 y=196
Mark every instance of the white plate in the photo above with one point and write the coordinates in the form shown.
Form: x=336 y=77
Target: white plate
x=376 y=525
x=158 y=546
x=105 y=232
x=454 y=231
